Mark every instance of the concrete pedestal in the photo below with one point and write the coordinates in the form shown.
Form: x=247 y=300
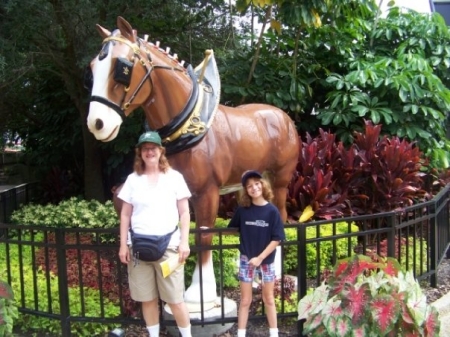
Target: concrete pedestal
x=215 y=311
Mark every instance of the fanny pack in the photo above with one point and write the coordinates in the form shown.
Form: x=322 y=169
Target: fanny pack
x=149 y=247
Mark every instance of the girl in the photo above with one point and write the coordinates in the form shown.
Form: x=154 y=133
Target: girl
x=261 y=230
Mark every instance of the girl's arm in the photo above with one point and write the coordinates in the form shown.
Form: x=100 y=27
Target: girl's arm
x=256 y=261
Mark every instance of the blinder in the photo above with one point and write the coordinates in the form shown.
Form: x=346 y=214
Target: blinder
x=88 y=78
x=122 y=71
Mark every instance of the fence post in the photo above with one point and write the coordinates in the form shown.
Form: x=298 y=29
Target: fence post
x=62 y=282
x=391 y=235
x=434 y=245
x=2 y=213
x=301 y=270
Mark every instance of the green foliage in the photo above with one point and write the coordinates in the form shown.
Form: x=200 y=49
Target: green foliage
x=364 y=297
x=285 y=295
x=397 y=77
x=320 y=254
x=38 y=287
x=8 y=309
x=71 y=213
x=412 y=255
x=43 y=98
x=229 y=260
x=355 y=66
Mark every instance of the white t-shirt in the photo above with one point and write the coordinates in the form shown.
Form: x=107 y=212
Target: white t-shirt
x=155 y=210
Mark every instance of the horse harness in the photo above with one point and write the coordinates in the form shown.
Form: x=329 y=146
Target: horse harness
x=188 y=127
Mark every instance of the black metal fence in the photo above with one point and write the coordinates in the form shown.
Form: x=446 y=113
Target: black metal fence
x=65 y=262
x=12 y=197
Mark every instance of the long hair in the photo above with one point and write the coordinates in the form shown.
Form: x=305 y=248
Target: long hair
x=139 y=164
x=267 y=193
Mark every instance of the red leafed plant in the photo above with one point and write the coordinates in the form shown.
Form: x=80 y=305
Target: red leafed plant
x=90 y=271
x=375 y=174
x=314 y=184
x=368 y=297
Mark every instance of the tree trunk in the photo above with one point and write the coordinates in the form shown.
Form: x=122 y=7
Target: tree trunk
x=93 y=177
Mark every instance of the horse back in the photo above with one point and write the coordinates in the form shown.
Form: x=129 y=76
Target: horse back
x=251 y=136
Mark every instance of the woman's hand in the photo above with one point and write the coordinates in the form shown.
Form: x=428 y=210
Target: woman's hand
x=124 y=254
x=183 y=252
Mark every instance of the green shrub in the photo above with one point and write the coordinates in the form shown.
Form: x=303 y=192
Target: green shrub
x=343 y=247
x=228 y=262
x=410 y=255
x=414 y=255
x=71 y=213
x=8 y=309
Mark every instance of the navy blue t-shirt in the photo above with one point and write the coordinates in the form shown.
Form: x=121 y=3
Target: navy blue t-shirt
x=258 y=226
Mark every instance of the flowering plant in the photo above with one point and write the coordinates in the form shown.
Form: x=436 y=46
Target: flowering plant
x=368 y=297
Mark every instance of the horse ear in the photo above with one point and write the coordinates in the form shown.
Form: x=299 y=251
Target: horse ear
x=104 y=33
x=125 y=29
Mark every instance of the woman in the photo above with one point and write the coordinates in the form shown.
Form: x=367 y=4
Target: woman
x=261 y=230
x=155 y=200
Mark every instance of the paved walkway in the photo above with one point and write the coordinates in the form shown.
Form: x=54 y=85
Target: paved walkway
x=443 y=306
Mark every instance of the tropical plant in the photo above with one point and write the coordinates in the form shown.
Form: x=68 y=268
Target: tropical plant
x=364 y=297
x=388 y=171
x=8 y=309
x=375 y=174
x=314 y=183
x=390 y=73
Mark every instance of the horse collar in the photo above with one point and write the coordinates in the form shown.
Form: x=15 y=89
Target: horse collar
x=194 y=121
x=169 y=131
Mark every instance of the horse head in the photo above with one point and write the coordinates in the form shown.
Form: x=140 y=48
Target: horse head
x=127 y=73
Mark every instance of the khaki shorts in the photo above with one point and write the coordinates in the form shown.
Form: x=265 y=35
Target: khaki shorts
x=147 y=282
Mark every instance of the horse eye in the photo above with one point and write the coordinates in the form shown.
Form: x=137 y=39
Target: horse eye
x=88 y=79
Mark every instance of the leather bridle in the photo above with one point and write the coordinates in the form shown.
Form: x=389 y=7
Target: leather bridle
x=145 y=61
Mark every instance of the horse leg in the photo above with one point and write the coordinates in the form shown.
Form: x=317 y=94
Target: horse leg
x=206 y=205
x=279 y=181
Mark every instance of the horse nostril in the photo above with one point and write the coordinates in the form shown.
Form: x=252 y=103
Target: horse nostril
x=98 y=124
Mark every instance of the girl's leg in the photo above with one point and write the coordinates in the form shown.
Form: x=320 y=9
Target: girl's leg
x=269 y=303
x=244 y=306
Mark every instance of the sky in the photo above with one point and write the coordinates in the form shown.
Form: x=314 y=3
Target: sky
x=422 y=6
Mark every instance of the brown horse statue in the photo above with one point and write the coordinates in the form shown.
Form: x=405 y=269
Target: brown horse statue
x=210 y=144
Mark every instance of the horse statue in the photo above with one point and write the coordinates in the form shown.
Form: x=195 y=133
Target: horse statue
x=210 y=144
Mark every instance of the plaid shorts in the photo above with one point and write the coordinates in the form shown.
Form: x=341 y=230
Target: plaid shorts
x=247 y=273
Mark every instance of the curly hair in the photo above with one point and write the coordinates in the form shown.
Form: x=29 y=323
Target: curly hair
x=267 y=193
x=139 y=164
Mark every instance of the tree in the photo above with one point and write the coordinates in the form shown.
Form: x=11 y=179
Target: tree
x=352 y=67
x=45 y=46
